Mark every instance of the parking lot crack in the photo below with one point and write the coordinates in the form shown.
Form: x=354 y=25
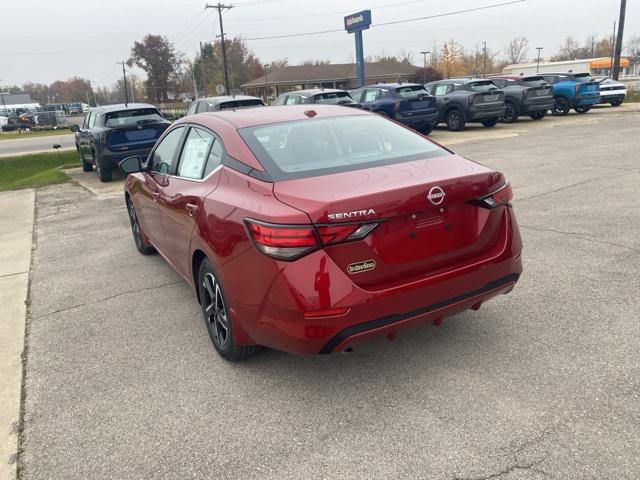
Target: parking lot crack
x=583 y=236
x=129 y=292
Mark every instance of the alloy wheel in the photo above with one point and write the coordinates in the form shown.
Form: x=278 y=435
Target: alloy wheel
x=135 y=226
x=215 y=312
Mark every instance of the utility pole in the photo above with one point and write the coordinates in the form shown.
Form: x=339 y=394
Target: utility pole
x=538 y=62
x=424 y=71
x=93 y=95
x=618 y=50
x=126 y=92
x=266 y=83
x=4 y=105
x=613 y=39
x=221 y=7
x=484 y=60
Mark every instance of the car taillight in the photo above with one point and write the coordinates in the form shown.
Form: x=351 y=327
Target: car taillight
x=103 y=138
x=289 y=242
x=472 y=98
x=495 y=199
x=577 y=87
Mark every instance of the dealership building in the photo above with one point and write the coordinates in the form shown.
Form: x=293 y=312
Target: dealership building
x=629 y=67
x=17 y=102
x=342 y=75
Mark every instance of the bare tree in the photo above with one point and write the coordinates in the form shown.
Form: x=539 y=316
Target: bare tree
x=568 y=50
x=517 y=50
x=632 y=47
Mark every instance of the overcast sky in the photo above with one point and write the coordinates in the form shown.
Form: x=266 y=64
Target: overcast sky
x=46 y=40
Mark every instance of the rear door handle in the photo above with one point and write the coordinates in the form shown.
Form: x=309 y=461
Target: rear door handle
x=191 y=208
x=155 y=196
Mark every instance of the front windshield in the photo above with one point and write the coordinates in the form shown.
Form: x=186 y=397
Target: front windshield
x=129 y=118
x=413 y=91
x=328 y=145
x=333 y=98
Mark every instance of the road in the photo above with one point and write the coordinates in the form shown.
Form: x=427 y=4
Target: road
x=35 y=144
x=122 y=382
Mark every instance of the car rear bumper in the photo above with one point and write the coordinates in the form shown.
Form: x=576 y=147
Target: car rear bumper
x=607 y=96
x=417 y=120
x=115 y=158
x=530 y=106
x=287 y=290
x=586 y=101
x=484 y=113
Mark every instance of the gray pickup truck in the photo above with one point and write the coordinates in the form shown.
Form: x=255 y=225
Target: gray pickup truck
x=462 y=100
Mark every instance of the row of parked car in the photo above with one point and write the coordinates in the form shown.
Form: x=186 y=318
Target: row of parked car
x=112 y=133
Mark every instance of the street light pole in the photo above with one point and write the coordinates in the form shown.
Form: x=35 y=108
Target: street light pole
x=538 y=62
x=221 y=7
x=484 y=60
x=266 y=82
x=424 y=71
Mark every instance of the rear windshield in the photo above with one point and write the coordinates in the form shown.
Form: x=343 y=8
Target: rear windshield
x=586 y=78
x=334 y=98
x=413 y=91
x=322 y=146
x=127 y=118
x=241 y=104
x=535 y=81
x=482 y=86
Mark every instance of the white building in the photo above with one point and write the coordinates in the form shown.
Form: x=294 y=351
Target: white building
x=18 y=101
x=595 y=66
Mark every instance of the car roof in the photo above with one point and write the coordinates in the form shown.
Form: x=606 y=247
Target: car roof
x=568 y=74
x=242 y=118
x=393 y=85
x=227 y=98
x=119 y=107
x=314 y=91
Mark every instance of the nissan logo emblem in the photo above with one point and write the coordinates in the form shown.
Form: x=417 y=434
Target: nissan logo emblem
x=436 y=195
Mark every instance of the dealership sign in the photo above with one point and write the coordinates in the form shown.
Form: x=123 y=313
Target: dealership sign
x=357 y=21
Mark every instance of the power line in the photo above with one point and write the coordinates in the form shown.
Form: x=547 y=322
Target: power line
x=457 y=12
x=326 y=14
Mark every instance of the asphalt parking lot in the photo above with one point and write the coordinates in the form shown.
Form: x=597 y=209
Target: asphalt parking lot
x=122 y=381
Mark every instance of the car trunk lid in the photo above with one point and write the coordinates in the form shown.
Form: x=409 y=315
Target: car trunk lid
x=141 y=135
x=426 y=218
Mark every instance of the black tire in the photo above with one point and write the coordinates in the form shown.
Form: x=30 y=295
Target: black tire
x=213 y=303
x=105 y=174
x=582 y=109
x=511 y=112
x=140 y=239
x=86 y=166
x=455 y=120
x=490 y=122
x=616 y=102
x=538 y=115
x=427 y=129
x=561 y=107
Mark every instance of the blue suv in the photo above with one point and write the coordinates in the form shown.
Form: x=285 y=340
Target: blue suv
x=407 y=103
x=572 y=90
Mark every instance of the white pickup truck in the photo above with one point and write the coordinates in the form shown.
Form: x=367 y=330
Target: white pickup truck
x=612 y=91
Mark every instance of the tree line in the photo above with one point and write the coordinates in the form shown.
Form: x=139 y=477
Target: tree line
x=169 y=72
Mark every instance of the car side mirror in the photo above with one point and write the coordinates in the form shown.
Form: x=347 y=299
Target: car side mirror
x=74 y=128
x=131 y=165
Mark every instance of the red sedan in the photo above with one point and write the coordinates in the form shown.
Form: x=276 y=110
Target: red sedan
x=310 y=228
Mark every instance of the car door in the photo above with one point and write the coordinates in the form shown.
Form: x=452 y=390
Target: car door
x=84 y=136
x=369 y=98
x=155 y=178
x=441 y=91
x=196 y=174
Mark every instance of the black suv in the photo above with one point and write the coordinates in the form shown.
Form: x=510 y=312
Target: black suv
x=224 y=102
x=462 y=100
x=111 y=133
x=327 y=96
x=531 y=96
